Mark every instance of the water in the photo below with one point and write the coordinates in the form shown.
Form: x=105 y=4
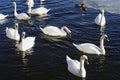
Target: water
x=46 y=61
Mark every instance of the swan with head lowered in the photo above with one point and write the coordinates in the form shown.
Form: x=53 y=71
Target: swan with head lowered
x=30 y=3
x=26 y=43
x=90 y=48
x=100 y=19
x=2 y=16
x=55 y=31
x=21 y=16
x=77 y=68
x=13 y=33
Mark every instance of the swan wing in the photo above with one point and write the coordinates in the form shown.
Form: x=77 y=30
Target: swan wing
x=52 y=30
x=98 y=18
x=89 y=48
x=73 y=66
x=22 y=16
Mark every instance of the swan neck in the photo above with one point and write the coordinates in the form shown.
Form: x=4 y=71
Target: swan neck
x=102 y=46
x=82 y=64
x=102 y=14
x=15 y=9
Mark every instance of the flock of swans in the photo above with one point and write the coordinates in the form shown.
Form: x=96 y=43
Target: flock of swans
x=75 y=67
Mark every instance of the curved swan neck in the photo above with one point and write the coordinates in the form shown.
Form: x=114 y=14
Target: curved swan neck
x=15 y=9
x=82 y=63
x=65 y=30
x=102 y=45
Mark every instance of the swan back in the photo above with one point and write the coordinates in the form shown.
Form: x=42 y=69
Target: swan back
x=52 y=31
x=26 y=43
x=38 y=11
x=88 y=48
x=76 y=67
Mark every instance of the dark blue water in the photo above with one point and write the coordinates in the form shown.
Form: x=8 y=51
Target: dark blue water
x=46 y=61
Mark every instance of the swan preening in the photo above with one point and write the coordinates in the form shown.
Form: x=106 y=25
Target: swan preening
x=38 y=11
x=13 y=33
x=100 y=19
x=90 y=48
x=77 y=68
x=55 y=31
x=26 y=43
x=2 y=16
x=21 y=16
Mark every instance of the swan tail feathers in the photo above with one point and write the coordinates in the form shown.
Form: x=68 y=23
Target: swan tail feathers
x=67 y=58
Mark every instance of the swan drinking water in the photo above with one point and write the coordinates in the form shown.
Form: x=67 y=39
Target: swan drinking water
x=26 y=43
x=100 y=19
x=91 y=48
x=21 y=16
x=77 y=68
x=55 y=31
x=13 y=33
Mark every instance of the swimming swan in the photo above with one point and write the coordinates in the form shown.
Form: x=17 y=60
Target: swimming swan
x=21 y=16
x=91 y=48
x=26 y=43
x=100 y=19
x=13 y=33
x=30 y=3
x=55 y=31
x=77 y=68
x=38 y=11
x=2 y=16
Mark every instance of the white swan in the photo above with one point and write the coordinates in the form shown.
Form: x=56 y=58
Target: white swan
x=77 y=68
x=30 y=3
x=38 y=11
x=100 y=19
x=2 y=16
x=13 y=33
x=90 y=48
x=21 y=16
x=26 y=43
x=55 y=31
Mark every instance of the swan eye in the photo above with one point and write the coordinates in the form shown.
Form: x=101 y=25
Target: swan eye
x=107 y=38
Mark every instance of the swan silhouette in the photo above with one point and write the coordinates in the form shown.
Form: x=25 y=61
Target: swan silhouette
x=13 y=33
x=100 y=19
x=90 y=48
x=21 y=16
x=26 y=43
x=77 y=68
x=55 y=31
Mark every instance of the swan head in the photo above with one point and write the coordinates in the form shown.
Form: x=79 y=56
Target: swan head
x=102 y=11
x=66 y=30
x=14 y=3
x=16 y=26
x=23 y=35
x=84 y=57
x=104 y=36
